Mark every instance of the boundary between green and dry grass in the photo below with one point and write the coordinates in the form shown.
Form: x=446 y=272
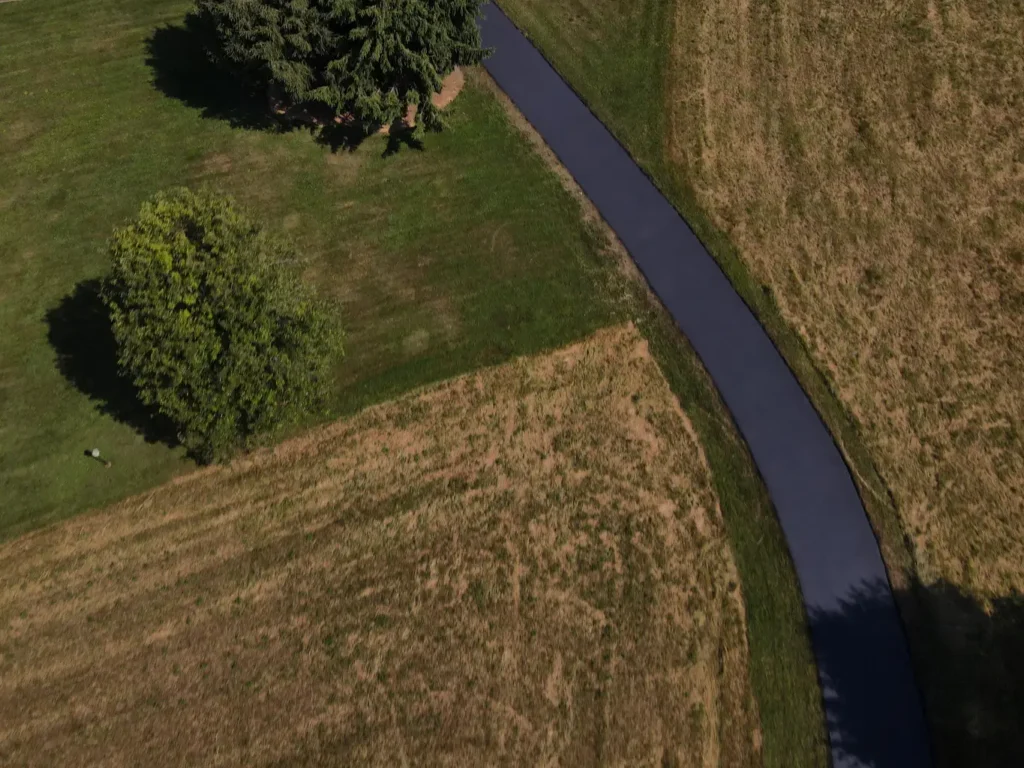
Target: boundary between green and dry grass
x=637 y=117
x=783 y=672
x=462 y=255
x=782 y=668
x=643 y=133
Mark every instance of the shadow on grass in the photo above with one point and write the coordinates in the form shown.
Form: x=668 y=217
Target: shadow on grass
x=402 y=135
x=341 y=137
x=81 y=337
x=350 y=136
x=970 y=669
x=182 y=70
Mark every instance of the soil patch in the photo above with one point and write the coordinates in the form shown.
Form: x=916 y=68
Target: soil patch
x=451 y=86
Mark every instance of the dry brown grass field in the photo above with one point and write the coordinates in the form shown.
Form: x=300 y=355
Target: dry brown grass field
x=858 y=171
x=524 y=565
x=867 y=159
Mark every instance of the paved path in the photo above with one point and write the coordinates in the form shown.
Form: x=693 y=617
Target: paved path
x=872 y=703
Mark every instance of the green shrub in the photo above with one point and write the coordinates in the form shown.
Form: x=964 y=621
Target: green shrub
x=213 y=324
x=364 y=58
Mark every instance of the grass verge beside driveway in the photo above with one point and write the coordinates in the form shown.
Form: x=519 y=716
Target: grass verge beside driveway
x=783 y=673
x=854 y=172
x=461 y=254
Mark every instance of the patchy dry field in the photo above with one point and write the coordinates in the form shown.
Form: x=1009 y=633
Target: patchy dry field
x=520 y=566
x=868 y=161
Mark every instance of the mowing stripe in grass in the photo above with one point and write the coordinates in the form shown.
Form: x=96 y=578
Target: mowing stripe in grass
x=871 y=698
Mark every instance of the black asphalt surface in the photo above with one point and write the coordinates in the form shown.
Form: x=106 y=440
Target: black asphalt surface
x=872 y=703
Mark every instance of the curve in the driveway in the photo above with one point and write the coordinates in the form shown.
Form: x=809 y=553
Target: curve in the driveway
x=872 y=704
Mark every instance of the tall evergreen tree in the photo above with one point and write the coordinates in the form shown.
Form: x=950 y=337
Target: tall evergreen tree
x=367 y=58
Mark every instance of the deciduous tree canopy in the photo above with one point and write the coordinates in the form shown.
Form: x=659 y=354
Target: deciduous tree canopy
x=212 y=323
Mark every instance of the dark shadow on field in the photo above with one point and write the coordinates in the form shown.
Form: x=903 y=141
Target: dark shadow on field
x=81 y=337
x=969 y=662
x=182 y=70
x=342 y=137
x=350 y=136
x=402 y=135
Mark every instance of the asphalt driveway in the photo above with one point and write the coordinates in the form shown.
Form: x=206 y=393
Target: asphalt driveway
x=872 y=702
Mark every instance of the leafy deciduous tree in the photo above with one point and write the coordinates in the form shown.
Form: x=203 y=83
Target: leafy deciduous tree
x=213 y=324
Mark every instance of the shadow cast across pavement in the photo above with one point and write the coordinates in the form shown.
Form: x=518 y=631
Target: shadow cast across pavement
x=81 y=336
x=969 y=662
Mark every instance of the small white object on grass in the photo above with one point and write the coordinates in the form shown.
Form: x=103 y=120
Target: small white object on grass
x=95 y=453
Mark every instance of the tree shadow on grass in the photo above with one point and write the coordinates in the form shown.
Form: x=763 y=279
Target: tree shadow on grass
x=182 y=70
x=349 y=136
x=969 y=662
x=402 y=135
x=342 y=137
x=81 y=337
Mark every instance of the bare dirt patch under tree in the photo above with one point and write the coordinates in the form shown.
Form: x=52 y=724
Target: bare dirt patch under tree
x=520 y=565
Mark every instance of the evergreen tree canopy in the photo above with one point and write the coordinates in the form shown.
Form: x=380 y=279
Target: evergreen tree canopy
x=367 y=58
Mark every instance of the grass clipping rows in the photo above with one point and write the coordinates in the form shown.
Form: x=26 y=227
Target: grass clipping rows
x=867 y=161
x=521 y=566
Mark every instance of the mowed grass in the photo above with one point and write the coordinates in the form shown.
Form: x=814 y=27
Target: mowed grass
x=867 y=164
x=856 y=171
x=522 y=566
x=465 y=254
x=613 y=54
x=445 y=259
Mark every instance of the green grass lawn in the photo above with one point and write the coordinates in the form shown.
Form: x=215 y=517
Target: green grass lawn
x=459 y=255
x=846 y=141
x=615 y=54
